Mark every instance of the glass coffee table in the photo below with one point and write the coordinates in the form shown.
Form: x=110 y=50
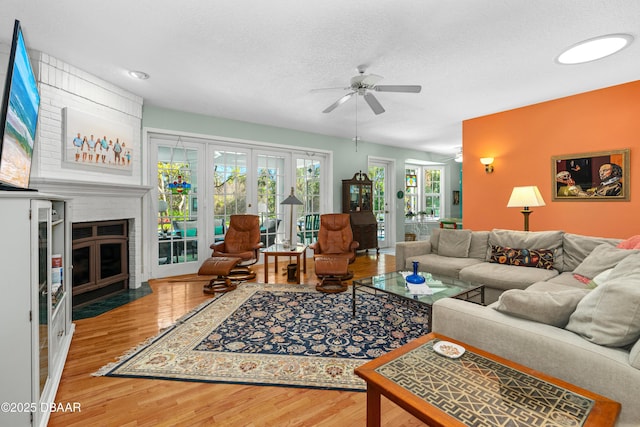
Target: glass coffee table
x=439 y=286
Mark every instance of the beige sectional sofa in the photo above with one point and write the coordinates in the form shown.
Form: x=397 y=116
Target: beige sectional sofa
x=548 y=317
x=466 y=255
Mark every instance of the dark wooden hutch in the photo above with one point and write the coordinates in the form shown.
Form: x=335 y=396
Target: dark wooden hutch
x=357 y=201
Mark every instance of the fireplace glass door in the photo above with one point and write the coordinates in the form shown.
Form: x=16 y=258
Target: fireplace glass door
x=100 y=260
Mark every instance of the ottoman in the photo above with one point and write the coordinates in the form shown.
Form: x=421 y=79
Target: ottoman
x=220 y=267
x=331 y=270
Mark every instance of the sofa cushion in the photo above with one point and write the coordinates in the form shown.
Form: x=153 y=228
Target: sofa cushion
x=603 y=257
x=610 y=314
x=454 y=243
x=500 y=276
x=634 y=355
x=434 y=238
x=440 y=265
x=566 y=279
x=553 y=286
x=551 y=240
x=551 y=308
x=576 y=248
x=539 y=258
x=478 y=246
x=600 y=279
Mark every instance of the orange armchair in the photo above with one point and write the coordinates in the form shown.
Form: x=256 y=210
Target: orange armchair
x=242 y=240
x=335 y=237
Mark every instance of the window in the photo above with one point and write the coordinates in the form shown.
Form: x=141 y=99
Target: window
x=432 y=191
x=426 y=196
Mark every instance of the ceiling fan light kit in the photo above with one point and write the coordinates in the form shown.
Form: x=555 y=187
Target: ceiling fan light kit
x=362 y=84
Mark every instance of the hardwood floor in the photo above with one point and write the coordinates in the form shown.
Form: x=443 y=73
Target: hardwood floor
x=107 y=401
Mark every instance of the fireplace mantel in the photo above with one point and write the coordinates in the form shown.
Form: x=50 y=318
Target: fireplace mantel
x=82 y=188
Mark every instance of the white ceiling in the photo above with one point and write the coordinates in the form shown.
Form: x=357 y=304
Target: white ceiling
x=257 y=61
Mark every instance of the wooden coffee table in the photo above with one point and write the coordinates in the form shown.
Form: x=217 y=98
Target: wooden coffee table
x=477 y=389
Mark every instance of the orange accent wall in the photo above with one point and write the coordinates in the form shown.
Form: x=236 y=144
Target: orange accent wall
x=523 y=140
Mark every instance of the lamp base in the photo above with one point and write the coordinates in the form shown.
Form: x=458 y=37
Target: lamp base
x=526 y=212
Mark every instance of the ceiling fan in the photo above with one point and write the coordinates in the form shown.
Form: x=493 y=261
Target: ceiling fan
x=363 y=84
x=457 y=158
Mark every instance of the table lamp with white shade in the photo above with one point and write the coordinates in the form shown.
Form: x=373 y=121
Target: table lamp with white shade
x=525 y=197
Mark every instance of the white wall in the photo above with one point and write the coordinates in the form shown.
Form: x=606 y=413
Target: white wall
x=97 y=195
x=62 y=85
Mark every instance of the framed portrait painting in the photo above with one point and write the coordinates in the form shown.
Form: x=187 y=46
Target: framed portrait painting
x=596 y=176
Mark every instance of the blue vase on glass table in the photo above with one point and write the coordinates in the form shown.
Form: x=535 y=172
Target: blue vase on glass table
x=415 y=277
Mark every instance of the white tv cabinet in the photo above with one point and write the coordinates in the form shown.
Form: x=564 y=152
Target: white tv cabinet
x=35 y=306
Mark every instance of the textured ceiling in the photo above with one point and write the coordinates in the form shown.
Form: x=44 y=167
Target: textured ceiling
x=258 y=61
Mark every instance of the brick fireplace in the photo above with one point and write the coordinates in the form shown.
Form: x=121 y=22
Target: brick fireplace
x=107 y=224
x=95 y=194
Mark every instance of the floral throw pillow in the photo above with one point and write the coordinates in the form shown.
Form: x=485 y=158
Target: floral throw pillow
x=538 y=258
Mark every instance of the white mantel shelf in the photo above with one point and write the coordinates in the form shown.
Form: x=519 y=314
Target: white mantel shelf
x=91 y=189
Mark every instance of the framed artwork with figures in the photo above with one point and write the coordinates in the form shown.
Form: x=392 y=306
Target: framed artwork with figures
x=595 y=176
x=95 y=143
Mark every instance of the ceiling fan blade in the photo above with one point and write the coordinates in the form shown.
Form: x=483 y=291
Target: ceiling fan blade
x=339 y=102
x=323 y=89
x=373 y=103
x=398 y=88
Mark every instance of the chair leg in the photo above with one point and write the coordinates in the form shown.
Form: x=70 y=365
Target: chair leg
x=331 y=284
x=241 y=273
x=219 y=284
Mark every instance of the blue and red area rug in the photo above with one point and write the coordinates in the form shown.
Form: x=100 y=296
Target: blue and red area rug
x=286 y=335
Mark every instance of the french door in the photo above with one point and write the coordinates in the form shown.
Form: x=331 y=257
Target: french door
x=256 y=181
x=202 y=182
x=380 y=173
x=250 y=182
x=180 y=239
x=309 y=185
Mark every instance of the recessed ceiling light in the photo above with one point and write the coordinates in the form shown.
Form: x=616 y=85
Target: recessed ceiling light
x=596 y=48
x=140 y=75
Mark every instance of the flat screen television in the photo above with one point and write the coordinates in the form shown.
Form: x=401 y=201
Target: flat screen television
x=20 y=106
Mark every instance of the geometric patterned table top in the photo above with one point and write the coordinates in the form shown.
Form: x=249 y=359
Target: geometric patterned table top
x=480 y=392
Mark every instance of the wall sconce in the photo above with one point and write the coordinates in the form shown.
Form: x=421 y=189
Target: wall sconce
x=487 y=162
